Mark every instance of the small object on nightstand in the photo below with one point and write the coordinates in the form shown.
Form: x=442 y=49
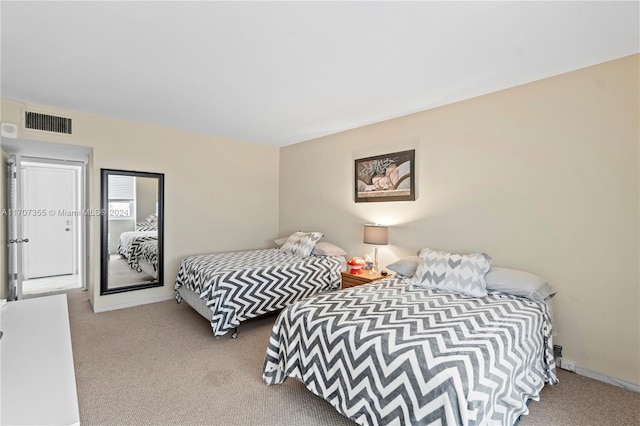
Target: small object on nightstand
x=369 y=262
x=384 y=273
x=355 y=265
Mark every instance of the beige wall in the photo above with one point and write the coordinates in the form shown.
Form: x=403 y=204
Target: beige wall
x=543 y=177
x=146 y=198
x=220 y=194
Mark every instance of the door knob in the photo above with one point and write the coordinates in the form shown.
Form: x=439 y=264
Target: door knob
x=18 y=240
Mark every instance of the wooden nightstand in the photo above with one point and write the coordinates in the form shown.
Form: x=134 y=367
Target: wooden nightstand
x=352 y=280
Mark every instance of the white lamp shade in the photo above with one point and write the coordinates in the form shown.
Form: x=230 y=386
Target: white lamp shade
x=376 y=234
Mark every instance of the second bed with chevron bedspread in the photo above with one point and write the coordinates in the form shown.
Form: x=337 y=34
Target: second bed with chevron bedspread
x=236 y=286
x=393 y=353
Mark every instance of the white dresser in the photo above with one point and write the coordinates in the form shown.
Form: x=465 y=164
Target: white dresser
x=37 y=377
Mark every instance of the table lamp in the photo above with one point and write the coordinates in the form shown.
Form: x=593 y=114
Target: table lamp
x=377 y=235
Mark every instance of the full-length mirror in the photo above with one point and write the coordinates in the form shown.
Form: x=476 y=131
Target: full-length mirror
x=131 y=230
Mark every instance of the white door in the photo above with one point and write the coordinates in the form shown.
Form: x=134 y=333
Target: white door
x=49 y=205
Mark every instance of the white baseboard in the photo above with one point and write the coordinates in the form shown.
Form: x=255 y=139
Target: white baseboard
x=607 y=379
x=134 y=303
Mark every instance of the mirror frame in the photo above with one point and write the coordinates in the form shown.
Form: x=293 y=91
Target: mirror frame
x=104 y=231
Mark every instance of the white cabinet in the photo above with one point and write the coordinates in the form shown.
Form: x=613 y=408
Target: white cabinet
x=37 y=377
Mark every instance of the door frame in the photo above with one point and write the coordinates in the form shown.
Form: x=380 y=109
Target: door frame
x=27 y=162
x=13 y=224
x=80 y=240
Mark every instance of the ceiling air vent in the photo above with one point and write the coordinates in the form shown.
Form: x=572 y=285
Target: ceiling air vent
x=48 y=123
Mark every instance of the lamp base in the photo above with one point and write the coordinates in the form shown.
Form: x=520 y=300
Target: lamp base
x=374 y=268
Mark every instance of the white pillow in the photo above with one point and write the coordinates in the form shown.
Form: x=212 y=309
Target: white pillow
x=519 y=283
x=301 y=243
x=325 y=248
x=406 y=266
x=280 y=241
x=458 y=273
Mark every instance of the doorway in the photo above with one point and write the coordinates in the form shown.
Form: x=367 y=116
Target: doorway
x=51 y=195
x=46 y=193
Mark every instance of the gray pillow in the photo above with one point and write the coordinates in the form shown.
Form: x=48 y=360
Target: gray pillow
x=406 y=266
x=280 y=241
x=456 y=273
x=301 y=243
x=519 y=283
x=325 y=248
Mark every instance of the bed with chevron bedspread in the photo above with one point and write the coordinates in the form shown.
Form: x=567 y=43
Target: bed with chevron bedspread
x=393 y=353
x=237 y=286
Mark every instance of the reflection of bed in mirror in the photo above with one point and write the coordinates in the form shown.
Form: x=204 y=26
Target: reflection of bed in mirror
x=130 y=246
x=140 y=247
x=148 y=258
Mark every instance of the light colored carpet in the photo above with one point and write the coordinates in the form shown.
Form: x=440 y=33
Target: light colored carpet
x=159 y=364
x=121 y=274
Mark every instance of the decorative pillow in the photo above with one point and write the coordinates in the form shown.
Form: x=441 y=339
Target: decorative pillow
x=324 y=248
x=152 y=218
x=519 y=283
x=406 y=266
x=458 y=273
x=301 y=243
x=144 y=226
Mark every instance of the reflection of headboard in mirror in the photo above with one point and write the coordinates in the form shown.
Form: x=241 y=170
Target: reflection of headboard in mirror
x=131 y=230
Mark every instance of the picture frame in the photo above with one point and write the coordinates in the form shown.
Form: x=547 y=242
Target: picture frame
x=387 y=177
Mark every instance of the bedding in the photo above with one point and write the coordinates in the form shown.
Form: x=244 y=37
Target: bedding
x=130 y=246
x=391 y=352
x=236 y=286
x=459 y=273
x=324 y=248
x=321 y=248
x=150 y=223
x=148 y=257
x=406 y=267
x=301 y=243
x=520 y=283
x=505 y=280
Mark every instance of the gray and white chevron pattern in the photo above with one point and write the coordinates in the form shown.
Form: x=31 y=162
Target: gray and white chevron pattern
x=149 y=252
x=238 y=286
x=301 y=243
x=458 y=273
x=130 y=246
x=394 y=353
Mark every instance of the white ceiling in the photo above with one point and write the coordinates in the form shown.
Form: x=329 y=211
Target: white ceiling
x=284 y=72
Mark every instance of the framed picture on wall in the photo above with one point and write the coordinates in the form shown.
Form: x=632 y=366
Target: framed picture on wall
x=388 y=177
